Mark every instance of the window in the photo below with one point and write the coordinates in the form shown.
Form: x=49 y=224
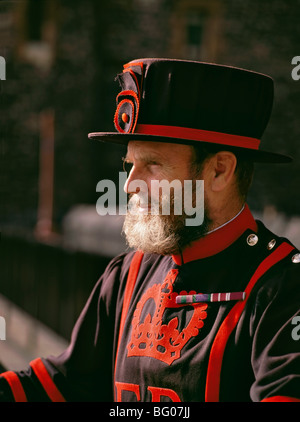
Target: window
x=195 y=23
x=37 y=36
x=195 y=27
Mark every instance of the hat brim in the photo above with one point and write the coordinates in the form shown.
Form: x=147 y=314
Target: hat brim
x=258 y=156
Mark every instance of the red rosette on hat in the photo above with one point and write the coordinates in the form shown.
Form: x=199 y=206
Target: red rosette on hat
x=128 y=100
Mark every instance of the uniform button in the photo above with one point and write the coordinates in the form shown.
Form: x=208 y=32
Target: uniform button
x=271 y=244
x=252 y=239
x=296 y=258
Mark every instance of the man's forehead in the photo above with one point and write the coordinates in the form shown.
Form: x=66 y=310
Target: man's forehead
x=141 y=149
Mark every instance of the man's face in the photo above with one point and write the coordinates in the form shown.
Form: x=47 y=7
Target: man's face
x=156 y=162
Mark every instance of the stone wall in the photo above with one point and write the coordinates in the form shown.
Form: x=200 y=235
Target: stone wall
x=88 y=43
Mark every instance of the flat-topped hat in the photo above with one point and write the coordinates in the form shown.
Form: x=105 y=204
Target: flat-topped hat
x=187 y=102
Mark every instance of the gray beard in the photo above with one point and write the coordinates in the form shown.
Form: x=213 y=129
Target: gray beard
x=160 y=234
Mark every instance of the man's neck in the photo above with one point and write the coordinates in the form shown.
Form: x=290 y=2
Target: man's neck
x=219 y=238
x=223 y=213
x=226 y=222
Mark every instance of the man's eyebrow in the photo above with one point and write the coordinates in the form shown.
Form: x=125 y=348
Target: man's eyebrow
x=146 y=157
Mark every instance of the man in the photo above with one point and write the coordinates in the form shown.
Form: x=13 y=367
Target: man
x=198 y=313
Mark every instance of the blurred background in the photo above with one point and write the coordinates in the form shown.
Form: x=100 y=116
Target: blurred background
x=62 y=57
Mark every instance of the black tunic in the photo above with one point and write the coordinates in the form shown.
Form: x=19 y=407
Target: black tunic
x=234 y=351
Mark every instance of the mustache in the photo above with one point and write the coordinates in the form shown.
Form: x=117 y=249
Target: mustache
x=161 y=205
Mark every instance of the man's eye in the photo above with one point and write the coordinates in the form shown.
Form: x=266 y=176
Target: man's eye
x=153 y=163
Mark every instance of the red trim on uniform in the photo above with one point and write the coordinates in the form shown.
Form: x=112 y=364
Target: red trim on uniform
x=281 y=399
x=15 y=386
x=218 y=240
x=230 y=322
x=132 y=276
x=199 y=135
x=43 y=376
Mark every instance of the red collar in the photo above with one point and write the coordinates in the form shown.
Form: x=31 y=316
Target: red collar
x=218 y=240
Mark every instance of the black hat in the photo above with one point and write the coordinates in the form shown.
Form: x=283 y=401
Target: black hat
x=189 y=102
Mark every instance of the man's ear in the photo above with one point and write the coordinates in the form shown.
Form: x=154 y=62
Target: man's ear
x=224 y=165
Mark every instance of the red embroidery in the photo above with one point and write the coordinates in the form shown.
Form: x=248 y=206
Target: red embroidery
x=124 y=386
x=150 y=337
x=156 y=392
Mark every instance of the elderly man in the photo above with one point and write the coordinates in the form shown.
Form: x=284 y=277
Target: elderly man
x=198 y=312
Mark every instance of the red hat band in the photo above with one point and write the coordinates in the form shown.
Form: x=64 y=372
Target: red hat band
x=198 y=135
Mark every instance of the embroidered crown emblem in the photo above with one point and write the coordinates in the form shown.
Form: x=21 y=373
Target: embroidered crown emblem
x=150 y=336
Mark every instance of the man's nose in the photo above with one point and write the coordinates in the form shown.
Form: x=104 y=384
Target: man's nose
x=135 y=183
x=129 y=186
